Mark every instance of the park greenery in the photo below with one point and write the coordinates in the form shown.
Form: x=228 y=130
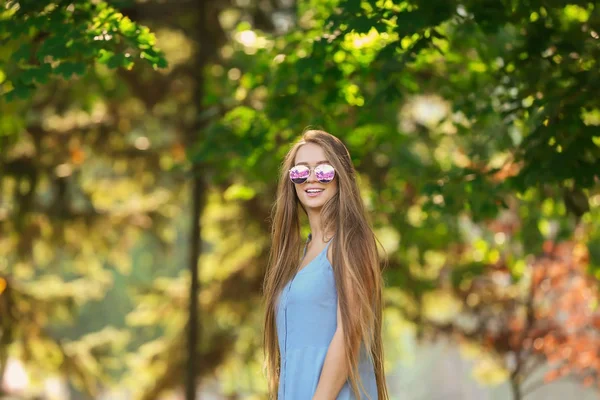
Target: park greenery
x=474 y=127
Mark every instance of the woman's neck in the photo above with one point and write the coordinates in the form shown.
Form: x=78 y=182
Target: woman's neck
x=317 y=235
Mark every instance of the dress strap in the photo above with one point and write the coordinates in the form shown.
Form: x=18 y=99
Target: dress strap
x=329 y=242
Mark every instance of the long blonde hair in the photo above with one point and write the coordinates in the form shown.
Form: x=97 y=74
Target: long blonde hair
x=354 y=260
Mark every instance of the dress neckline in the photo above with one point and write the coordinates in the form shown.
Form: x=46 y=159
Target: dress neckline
x=315 y=258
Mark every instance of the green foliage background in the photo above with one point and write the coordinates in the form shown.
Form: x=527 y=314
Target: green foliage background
x=473 y=125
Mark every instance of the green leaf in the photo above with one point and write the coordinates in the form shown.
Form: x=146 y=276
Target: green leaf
x=23 y=53
x=20 y=91
x=239 y=192
x=68 y=69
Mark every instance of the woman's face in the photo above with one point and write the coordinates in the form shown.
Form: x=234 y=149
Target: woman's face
x=311 y=155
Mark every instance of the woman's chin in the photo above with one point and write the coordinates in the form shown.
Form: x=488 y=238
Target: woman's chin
x=314 y=203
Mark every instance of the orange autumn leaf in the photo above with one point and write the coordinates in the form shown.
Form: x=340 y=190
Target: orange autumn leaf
x=77 y=156
x=596 y=321
x=551 y=375
x=178 y=152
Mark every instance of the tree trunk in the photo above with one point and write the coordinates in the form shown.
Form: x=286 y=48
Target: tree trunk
x=198 y=191
x=515 y=387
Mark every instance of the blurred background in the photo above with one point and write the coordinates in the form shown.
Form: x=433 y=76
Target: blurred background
x=474 y=128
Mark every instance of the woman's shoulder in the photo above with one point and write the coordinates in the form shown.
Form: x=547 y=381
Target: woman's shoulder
x=329 y=255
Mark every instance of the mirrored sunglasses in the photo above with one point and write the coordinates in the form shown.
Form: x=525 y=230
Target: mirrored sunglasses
x=300 y=173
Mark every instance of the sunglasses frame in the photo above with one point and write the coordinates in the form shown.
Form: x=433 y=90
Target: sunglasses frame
x=310 y=171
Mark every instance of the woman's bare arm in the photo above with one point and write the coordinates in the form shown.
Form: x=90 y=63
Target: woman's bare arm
x=335 y=369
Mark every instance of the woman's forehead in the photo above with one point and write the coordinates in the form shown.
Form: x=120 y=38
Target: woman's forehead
x=310 y=154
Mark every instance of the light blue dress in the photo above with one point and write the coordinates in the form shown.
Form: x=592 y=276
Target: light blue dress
x=306 y=321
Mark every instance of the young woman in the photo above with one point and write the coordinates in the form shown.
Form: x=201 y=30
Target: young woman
x=323 y=316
